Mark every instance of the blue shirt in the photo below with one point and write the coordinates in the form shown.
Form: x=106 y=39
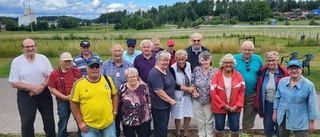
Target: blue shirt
x=131 y=58
x=111 y=69
x=299 y=104
x=159 y=81
x=81 y=63
x=250 y=77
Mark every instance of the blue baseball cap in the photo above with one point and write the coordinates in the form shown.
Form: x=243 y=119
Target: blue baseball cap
x=294 y=63
x=93 y=60
x=131 y=41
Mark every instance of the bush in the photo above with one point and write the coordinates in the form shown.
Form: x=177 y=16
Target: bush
x=313 y=22
x=251 y=23
x=286 y=23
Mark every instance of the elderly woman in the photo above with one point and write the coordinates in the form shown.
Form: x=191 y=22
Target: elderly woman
x=161 y=85
x=268 y=79
x=181 y=71
x=135 y=105
x=201 y=79
x=227 y=96
x=295 y=105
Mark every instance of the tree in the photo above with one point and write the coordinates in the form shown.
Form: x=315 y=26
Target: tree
x=11 y=25
x=42 y=25
x=68 y=22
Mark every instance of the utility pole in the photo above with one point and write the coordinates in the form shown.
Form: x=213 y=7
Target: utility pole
x=30 y=17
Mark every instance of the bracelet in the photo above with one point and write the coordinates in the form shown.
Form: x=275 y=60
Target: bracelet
x=115 y=113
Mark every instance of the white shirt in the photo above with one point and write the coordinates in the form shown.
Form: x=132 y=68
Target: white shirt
x=34 y=73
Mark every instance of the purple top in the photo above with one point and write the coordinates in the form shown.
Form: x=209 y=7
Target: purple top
x=157 y=81
x=144 y=65
x=135 y=105
x=202 y=82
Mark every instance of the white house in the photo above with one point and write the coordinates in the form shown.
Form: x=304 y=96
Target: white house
x=27 y=18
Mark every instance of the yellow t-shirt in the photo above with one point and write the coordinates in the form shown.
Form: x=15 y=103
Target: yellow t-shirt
x=95 y=101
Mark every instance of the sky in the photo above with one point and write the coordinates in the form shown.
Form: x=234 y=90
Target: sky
x=84 y=9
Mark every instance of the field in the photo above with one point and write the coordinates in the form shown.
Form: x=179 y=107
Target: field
x=219 y=39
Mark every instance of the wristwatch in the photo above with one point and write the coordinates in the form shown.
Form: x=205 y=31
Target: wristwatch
x=115 y=113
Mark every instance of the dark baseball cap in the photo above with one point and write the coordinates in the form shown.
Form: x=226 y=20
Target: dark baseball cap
x=93 y=60
x=85 y=43
x=131 y=41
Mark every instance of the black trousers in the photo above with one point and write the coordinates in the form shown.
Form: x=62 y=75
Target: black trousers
x=131 y=131
x=28 y=107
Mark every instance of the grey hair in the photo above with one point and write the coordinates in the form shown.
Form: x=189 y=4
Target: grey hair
x=227 y=56
x=163 y=54
x=247 y=42
x=131 y=70
x=155 y=39
x=271 y=54
x=116 y=45
x=205 y=55
x=144 y=41
x=196 y=35
x=181 y=53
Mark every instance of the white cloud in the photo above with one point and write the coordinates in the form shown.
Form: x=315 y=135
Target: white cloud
x=95 y=3
x=55 y=3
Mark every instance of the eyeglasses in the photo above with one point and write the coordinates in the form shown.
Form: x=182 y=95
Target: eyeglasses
x=26 y=47
x=247 y=66
x=293 y=68
x=196 y=40
x=97 y=66
x=170 y=45
x=248 y=50
x=271 y=60
x=131 y=46
x=132 y=77
x=227 y=62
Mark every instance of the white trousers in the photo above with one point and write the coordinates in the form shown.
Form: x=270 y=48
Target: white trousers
x=204 y=117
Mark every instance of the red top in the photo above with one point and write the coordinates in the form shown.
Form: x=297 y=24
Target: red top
x=219 y=96
x=69 y=79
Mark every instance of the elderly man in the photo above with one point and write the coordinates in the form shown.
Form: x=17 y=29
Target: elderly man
x=248 y=64
x=115 y=68
x=60 y=82
x=94 y=102
x=131 y=53
x=156 y=45
x=194 y=50
x=29 y=75
x=80 y=60
x=145 y=61
x=170 y=49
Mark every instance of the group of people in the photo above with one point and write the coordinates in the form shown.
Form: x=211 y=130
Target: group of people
x=135 y=87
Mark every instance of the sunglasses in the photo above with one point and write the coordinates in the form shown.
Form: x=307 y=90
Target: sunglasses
x=131 y=46
x=170 y=45
x=97 y=66
x=196 y=40
x=247 y=66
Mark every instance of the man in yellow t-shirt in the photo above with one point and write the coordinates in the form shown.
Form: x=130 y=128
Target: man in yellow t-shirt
x=94 y=102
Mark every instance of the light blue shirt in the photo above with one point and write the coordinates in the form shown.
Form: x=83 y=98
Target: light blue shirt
x=115 y=72
x=131 y=58
x=299 y=104
x=250 y=77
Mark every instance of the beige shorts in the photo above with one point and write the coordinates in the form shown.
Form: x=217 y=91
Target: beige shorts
x=249 y=114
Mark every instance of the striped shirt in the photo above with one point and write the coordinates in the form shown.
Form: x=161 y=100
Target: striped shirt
x=81 y=63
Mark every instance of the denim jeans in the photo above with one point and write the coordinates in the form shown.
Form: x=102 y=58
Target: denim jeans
x=233 y=118
x=64 y=115
x=270 y=127
x=109 y=131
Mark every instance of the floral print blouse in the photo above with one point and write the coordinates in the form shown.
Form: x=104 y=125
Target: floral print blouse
x=135 y=105
x=202 y=82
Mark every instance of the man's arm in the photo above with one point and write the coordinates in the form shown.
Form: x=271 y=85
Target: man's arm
x=115 y=103
x=58 y=94
x=76 y=114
